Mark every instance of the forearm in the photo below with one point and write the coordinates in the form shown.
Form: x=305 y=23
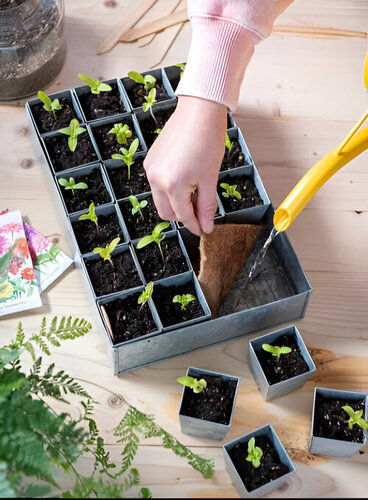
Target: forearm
x=224 y=35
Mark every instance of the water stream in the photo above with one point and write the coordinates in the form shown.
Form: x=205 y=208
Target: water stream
x=261 y=254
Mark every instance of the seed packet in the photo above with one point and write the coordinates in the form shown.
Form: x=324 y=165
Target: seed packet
x=18 y=284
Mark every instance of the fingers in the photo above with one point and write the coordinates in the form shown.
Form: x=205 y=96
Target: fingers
x=163 y=205
x=206 y=206
x=182 y=205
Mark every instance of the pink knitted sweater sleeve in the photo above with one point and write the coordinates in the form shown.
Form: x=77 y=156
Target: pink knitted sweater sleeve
x=224 y=33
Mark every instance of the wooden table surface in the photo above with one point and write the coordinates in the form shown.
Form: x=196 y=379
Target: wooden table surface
x=300 y=97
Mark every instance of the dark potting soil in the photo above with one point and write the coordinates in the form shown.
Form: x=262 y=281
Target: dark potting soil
x=287 y=365
x=151 y=261
x=45 y=120
x=271 y=467
x=229 y=124
x=126 y=321
x=138 y=182
x=107 y=143
x=148 y=125
x=102 y=104
x=331 y=421
x=233 y=158
x=248 y=191
x=172 y=313
x=61 y=156
x=107 y=278
x=82 y=198
x=138 y=93
x=87 y=236
x=137 y=226
x=214 y=403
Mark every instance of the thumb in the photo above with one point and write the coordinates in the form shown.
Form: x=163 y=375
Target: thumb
x=206 y=206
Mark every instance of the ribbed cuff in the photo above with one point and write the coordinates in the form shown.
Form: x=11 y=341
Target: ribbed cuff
x=219 y=54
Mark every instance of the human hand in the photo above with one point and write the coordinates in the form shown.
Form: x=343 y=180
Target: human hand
x=186 y=157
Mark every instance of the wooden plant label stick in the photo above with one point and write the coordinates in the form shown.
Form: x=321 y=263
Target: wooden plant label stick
x=107 y=319
x=142 y=42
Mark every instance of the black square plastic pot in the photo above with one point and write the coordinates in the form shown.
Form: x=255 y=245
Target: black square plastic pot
x=162 y=112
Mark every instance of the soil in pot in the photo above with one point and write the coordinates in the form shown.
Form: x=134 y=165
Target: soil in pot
x=126 y=321
x=89 y=238
x=151 y=261
x=137 y=226
x=61 y=156
x=287 y=365
x=331 y=421
x=102 y=104
x=82 y=198
x=245 y=186
x=271 y=467
x=45 y=120
x=137 y=94
x=109 y=278
x=233 y=158
x=148 y=124
x=172 y=313
x=214 y=403
x=124 y=187
x=107 y=143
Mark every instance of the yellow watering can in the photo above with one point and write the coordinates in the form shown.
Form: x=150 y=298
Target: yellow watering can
x=354 y=143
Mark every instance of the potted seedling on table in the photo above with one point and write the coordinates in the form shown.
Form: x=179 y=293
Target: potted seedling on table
x=92 y=230
x=142 y=87
x=71 y=184
x=152 y=126
x=233 y=156
x=113 y=135
x=127 y=155
x=339 y=422
x=207 y=403
x=112 y=269
x=238 y=192
x=52 y=114
x=257 y=463
x=280 y=362
x=99 y=99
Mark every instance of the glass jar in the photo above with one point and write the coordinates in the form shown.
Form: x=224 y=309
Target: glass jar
x=32 y=45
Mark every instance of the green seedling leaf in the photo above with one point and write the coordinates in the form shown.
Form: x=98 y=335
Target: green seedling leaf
x=182 y=67
x=155 y=237
x=105 y=253
x=145 y=296
x=95 y=85
x=148 y=81
x=356 y=418
x=150 y=101
x=197 y=386
x=183 y=300
x=122 y=132
x=73 y=131
x=71 y=185
x=254 y=453
x=276 y=350
x=127 y=155
x=230 y=191
x=91 y=215
x=49 y=105
x=137 y=205
x=228 y=144
x=157 y=131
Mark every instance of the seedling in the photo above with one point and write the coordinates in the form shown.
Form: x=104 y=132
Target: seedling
x=355 y=418
x=137 y=205
x=228 y=144
x=127 y=155
x=148 y=81
x=95 y=85
x=230 y=191
x=254 y=453
x=122 y=132
x=150 y=101
x=91 y=215
x=105 y=253
x=145 y=296
x=182 y=67
x=276 y=350
x=73 y=131
x=197 y=386
x=71 y=185
x=155 y=237
x=49 y=105
x=183 y=300
x=157 y=131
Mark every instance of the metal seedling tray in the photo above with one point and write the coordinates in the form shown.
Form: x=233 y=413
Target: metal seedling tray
x=336 y=447
x=279 y=295
x=206 y=428
x=268 y=431
x=281 y=388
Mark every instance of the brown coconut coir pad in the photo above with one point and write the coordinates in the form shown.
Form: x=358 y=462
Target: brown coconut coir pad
x=223 y=254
